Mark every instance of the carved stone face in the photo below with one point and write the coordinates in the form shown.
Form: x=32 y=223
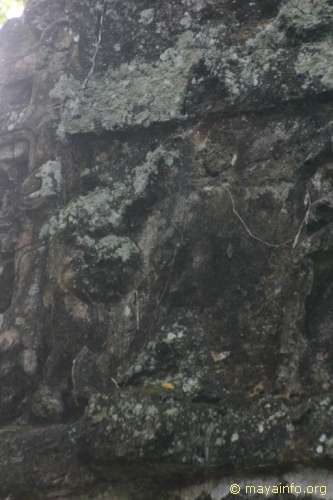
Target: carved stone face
x=166 y=224
x=150 y=233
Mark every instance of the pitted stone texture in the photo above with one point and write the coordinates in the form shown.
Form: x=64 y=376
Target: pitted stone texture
x=166 y=245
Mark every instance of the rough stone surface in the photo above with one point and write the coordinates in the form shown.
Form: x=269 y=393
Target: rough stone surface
x=166 y=249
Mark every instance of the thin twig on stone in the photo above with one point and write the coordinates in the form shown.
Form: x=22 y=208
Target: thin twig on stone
x=137 y=310
x=306 y=218
x=97 y=47
x=246 y=227
x=113 y=380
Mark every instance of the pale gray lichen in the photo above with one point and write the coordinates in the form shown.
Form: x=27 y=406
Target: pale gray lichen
x=51 y=180
x=115 y=247
x=305 y=15
x=244 y=68
x=315 y=64
x=94 y=210
x=147 y=16
x=143 y=174
x=197 y=434
x=190 y=361
x=103 y=209
x=133 y=94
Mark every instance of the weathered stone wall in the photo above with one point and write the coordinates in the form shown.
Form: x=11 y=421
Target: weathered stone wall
x=166 y=247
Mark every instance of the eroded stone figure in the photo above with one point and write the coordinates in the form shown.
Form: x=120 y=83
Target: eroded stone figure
x=166 y=246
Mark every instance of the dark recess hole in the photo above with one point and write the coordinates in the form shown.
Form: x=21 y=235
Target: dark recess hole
x=269 y=8
x=6 y=284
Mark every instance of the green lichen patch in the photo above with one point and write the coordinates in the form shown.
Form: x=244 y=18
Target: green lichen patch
x=175 y=363
x=134 y=94
x=104 y=209
x=95 y=212
x=314 y=64
x=143 y=429
x=303 y=17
